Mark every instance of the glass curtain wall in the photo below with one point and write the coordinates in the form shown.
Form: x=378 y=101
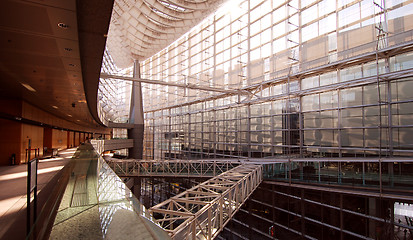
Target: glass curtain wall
x=319 y=78
x=114 y=95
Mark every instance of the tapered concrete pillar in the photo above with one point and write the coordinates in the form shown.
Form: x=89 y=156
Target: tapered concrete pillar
x=136 y=116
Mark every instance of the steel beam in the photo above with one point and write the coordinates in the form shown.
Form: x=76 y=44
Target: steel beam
x=173 y=84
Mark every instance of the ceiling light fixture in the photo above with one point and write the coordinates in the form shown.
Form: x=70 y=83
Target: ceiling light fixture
x=55 y=107
x=69 y=115
x=63 y=25
x=28 y=87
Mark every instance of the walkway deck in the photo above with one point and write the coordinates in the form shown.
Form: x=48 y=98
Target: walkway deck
x=13 y=187
x=97 y=204
x=171 y=168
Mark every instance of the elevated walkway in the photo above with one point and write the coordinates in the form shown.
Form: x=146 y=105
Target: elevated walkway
x=171 y=168
x=202 y=211
x=111 y=144
x=120 y=125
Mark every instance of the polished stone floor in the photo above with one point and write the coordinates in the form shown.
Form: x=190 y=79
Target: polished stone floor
x=97 y=204
x=13 y=189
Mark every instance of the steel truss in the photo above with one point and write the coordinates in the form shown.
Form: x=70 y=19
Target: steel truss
x=202 y=211
x=178 y=168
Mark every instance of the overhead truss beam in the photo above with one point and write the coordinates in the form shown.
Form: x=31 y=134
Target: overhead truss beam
x=188 y=85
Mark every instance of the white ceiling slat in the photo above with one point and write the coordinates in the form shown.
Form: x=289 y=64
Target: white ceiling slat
x=157 y=23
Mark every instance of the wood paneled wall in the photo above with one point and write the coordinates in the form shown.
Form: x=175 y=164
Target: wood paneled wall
x=16 y=135
x=35 y=134
x=59 y=139
x=9 y=141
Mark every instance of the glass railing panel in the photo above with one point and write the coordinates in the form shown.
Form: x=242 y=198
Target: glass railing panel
x=97 y=204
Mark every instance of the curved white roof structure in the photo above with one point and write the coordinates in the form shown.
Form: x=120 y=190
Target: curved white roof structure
x=140 y=28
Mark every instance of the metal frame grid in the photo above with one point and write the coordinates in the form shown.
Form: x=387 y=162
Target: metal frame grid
x=300 y=100
x=202 y=211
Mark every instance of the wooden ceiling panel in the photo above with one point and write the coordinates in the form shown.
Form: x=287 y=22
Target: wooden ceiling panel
x=28 y=43
x=68 y=5
x=66 y=17
x=34 y=50
x=68 y=48
x=22 y=16
x=72 y=64
x=33 y=60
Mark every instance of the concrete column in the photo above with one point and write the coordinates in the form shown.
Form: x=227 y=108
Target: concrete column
x=136 y=116
x=136 y=189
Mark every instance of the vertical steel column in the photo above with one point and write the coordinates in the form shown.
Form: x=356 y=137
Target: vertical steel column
x=214 y=131
x=301 y=125
x=363 y=116
x=202 y=131
x=248 y=77
x=170 y=135
x=392 y=219
x=249 y=130
x=389 y=112
x=302 y=204
x=152 y=191
x=136 y=189
x=341 y=217
x=154 y=127
x=189 y=135
x=339 y=120
x=272 y=131
x=273 y=204
x=136 y=116
x=390 y=173
x=322 y=213
x=300 y=116
x=364 y=175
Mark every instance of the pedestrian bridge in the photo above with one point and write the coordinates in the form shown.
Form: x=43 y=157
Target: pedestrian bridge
x=202 y=211
x=198 y=213
x=170 y=168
